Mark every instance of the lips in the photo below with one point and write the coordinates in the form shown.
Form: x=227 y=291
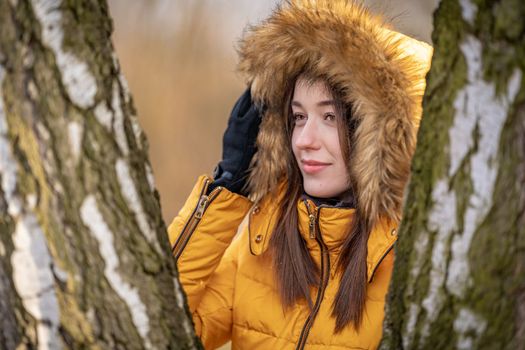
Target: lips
x=312 y=166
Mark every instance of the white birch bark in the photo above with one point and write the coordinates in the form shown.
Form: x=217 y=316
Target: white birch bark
x=459 y=279
x=84 y=256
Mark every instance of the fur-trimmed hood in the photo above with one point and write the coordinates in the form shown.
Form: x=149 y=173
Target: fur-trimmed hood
x=381 y=73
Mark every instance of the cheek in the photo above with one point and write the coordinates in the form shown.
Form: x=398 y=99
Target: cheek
x=340 y=170
x=334 y=146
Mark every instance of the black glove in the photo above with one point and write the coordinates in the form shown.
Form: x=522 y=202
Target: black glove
x=238 y=145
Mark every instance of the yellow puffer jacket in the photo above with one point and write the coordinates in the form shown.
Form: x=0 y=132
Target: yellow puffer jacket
x=230 y=285
x=231 y=288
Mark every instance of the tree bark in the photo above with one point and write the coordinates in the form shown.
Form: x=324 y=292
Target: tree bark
x=84 y=256
x=459 y=277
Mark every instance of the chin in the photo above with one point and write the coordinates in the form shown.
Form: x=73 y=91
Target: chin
x=319 y=190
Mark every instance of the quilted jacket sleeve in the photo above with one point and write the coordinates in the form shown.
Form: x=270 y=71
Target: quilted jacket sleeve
x=201 y=238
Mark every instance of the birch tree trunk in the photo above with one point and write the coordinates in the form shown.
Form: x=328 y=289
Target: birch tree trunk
x=84 y=256
x=459 y=278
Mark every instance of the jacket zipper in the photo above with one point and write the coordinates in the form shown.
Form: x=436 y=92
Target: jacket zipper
x=325 y=272
x=311 y=224
x=195 y=218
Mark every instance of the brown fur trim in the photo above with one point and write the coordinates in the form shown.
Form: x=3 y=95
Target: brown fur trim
x=381 y=73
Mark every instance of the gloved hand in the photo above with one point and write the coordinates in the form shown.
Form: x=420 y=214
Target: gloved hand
x=238 y=145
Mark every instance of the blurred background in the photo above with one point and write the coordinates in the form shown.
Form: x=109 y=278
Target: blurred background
x=179 y=59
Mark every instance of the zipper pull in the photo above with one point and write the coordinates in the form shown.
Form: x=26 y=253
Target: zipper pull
x=201 y=206
x=311 y=217
x=312 y=225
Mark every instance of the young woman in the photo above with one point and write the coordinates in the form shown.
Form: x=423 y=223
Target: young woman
x=320 y=170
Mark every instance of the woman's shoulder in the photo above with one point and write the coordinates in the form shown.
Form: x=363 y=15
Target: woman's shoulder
x=269 y=203
x=262 y=219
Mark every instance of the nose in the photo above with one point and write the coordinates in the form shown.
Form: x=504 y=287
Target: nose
x=308 y=137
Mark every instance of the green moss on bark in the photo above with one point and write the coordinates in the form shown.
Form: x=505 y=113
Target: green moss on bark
x=495 y=252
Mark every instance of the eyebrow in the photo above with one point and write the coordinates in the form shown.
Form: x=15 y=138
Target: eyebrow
x=319 y=104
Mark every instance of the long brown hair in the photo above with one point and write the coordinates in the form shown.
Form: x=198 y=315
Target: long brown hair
x=296 y=271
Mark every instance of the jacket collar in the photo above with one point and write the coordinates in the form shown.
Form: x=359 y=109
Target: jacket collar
x=333 y=222
x=348 y=201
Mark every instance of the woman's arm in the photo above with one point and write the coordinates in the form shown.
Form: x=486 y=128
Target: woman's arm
x=202 y=231
x=204 y=228
x=200 y=237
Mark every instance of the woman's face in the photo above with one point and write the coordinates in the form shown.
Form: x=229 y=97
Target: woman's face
x=315 y=140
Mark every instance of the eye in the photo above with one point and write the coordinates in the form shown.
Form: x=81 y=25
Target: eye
x=330 y=117
x=299 y=118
